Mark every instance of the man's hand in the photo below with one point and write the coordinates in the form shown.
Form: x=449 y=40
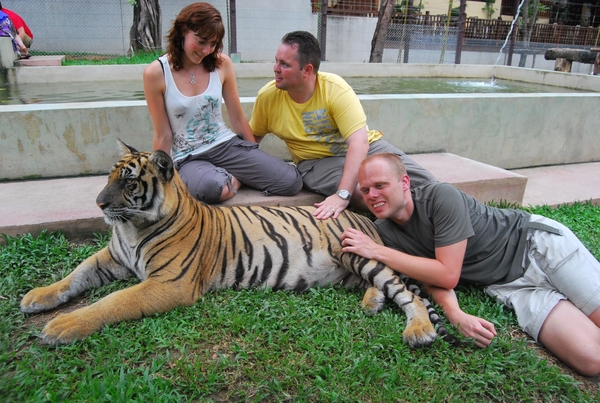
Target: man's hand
x=330 y=207
x=477 y=329
x=480 y=330
x=355 y=241
x=358 y=147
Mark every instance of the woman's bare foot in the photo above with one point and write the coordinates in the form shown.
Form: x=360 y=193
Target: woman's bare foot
x=230 y=189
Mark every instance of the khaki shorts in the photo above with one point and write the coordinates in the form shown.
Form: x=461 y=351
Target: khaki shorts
x=27 y=41
x=556 y=267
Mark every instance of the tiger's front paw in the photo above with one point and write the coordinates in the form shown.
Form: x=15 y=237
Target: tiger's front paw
x=42 y=299
x=67 y=328
x=373 y=300
x=419 y=332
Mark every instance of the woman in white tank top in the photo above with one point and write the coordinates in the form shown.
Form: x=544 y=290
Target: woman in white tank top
x=184 y=91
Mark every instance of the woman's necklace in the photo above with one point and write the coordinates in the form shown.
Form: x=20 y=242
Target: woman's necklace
x=192 y=78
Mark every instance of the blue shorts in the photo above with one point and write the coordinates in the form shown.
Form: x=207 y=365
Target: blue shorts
x=556 y=267
x=206 y=174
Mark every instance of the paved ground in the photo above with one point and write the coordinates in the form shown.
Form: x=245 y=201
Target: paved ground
x=560 y=184
x=69 y=204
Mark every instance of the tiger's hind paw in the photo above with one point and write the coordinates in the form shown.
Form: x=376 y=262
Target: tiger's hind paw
x=373 y=300
x=419 y=333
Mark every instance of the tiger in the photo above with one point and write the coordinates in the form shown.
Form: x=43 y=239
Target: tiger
x=180 y=249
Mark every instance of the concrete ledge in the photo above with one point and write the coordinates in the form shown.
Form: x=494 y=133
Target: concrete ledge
x=66 y=205
x=69 y=204
x=133 y=72
x=40 y=61
x=484 y=182
x=56 y=140
x=250 y=197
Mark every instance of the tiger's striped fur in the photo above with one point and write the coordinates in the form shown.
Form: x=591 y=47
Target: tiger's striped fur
x=180 y=249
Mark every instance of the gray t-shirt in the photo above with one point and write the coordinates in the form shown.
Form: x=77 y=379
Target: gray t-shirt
x=444 y=215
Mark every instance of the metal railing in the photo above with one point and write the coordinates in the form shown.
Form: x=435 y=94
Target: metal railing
x=477 y=28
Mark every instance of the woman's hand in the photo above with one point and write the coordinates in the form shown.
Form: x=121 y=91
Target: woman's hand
x=330 y=207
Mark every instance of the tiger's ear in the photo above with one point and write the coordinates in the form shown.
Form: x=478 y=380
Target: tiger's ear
x=163 y=164
x=127 y=149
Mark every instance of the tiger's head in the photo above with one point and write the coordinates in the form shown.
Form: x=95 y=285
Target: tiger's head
x=136 y=187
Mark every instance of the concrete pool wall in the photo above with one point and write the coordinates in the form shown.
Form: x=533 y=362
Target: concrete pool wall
x=505 y=130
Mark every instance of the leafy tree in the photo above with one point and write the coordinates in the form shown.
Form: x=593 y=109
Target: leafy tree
x=529 y=12
x=489 y=8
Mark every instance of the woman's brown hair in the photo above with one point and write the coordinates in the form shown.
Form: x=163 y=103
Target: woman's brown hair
x=206 y=22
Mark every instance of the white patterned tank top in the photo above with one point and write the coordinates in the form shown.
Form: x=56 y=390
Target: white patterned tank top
x=196 y=122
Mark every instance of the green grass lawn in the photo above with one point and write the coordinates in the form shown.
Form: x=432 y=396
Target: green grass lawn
x=81 y=59
x=259 y=345
x=139 y=58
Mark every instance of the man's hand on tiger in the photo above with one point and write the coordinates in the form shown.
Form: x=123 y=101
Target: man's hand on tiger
x=355 y=241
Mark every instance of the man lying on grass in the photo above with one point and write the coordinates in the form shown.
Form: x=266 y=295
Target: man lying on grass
x=438 y=235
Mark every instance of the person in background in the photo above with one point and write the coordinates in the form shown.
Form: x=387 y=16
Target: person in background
x=7 y=29
x=323 y=124
x=438 y=235
x=183 y=89
x=22 y=29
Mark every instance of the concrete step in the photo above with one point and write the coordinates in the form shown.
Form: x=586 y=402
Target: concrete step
x=40 y=61
x=484 y=182
x=69 y=204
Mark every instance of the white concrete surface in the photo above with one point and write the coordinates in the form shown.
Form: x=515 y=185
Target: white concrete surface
x=7 y=53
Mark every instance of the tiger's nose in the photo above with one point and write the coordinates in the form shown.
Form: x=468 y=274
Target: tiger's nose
x=102 y=200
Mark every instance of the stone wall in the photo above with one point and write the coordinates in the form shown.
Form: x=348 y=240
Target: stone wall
x=505 y=130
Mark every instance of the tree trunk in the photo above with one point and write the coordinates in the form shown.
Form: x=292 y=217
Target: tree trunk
x=529 y=22
x=145 y=33
x=574 y=55
x=563 y=65
x=385 y=15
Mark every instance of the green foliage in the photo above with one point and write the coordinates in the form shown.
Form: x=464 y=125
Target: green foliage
x=540 y=9
x=260 y=345
x=404 y=7
x=27 y=261
x=489 y=8
x=502 y=203
x=138 y=58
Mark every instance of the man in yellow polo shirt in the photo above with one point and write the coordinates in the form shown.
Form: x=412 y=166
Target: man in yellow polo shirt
x=321 y=120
